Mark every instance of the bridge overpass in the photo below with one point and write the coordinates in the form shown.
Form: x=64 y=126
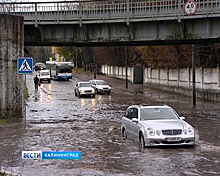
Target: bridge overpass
x=118 y=22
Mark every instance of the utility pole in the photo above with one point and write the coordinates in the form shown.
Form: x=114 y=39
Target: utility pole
x=193 y=76
x=126 y=66
x=94 y=65
x=76 y=62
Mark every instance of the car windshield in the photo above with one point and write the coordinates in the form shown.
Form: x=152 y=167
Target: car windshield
x=40 y=65
x=65 y=69
x=84 y=85
x=44 y=73
x=157 y=114
x=101 y=83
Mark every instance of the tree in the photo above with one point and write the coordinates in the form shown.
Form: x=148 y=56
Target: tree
x=71 y=53
x=116 y=55
x=158 y=56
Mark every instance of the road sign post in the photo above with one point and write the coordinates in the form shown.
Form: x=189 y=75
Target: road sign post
x=25 y=66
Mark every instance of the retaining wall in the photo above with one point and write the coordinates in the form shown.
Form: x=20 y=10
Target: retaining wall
x=175 y=80
x=12 y=84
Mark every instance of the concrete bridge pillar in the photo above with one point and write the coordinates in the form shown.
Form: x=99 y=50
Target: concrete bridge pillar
x=11 y=84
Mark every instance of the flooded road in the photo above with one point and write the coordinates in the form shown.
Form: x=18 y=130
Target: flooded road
x=57 y=120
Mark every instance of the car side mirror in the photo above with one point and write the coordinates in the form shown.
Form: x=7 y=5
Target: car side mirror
x=182 y=118
x=135 y=120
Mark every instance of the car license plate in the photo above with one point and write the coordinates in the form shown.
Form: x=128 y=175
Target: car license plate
x=176 y=139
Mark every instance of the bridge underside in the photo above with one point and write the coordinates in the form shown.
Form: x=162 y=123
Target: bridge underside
x=171 y=32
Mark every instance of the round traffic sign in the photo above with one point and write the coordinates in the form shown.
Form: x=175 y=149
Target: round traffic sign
x=190 y=7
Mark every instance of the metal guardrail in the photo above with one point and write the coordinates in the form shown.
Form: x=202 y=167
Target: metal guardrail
x=86 y=12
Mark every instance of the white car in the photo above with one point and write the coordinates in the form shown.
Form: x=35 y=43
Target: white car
x=44 y=76
x=156 y=126
x=84 y=89
x=100 y=86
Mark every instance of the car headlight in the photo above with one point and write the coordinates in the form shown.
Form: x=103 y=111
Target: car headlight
x=93 y=90
x=190 y=130
x=150 y=131
x=82 y=91
x=158 y=132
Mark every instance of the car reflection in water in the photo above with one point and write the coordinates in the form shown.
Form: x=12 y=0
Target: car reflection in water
x=43 y=92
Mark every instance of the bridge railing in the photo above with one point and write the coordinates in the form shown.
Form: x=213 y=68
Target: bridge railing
x=79 y=12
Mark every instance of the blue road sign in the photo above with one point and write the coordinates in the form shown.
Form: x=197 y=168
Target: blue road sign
x=25 y=65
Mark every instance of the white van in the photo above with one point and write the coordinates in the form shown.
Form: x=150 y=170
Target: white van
x=45 y=76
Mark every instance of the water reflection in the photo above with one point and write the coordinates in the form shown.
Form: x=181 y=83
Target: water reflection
x=49 y=98
x=93 y=102
x=82 y=102
x=44 y=91
x=100 y=98
x=41 y=93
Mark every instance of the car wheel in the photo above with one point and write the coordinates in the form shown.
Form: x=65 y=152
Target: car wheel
x=75 y=93
x=93 y=96
x=49 y=81
x=141 y=141
x=124 y=134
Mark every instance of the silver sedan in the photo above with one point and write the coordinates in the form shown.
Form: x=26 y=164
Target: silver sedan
x=84 y=89
x=156 y=126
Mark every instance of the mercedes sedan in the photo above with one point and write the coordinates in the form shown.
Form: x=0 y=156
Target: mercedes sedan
x=84 y=89
x=156 y=126
x=100 y=86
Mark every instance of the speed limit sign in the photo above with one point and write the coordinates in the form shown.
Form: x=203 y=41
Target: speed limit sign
x=190 y=7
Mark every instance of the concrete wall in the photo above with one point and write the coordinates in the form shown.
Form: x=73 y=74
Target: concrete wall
x=176 y=80
x=117 y=72
x=206 y=78
x=12 y=84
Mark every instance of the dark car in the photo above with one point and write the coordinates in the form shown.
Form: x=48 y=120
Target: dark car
x=39 y=66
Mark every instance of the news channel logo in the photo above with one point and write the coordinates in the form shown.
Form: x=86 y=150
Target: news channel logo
x=76 y=155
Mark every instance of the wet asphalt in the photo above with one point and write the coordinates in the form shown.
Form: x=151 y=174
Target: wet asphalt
x=57 y=120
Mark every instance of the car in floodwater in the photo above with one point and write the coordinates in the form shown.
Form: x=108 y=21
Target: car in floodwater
x=100 y=86
x=84 y=89
x=156 y=125
x=44 y=76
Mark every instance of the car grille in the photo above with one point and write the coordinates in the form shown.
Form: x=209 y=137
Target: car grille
x=171 y=132
x=105 y=88
x=88 y=91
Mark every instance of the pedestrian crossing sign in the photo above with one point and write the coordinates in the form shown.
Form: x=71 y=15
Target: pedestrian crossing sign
x=25 y=65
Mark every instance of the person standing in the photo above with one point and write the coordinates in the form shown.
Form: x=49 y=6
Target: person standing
x=36 y=82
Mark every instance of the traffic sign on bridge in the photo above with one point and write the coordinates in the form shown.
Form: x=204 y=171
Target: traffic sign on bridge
x=25 y=65
x=190 y=7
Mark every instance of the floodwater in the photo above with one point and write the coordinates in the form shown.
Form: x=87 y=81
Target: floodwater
x=57 y=120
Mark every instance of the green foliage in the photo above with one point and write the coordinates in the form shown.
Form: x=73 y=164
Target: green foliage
x=78 y=70
x=9 y=118
x=27 y=95
x=3 y=173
